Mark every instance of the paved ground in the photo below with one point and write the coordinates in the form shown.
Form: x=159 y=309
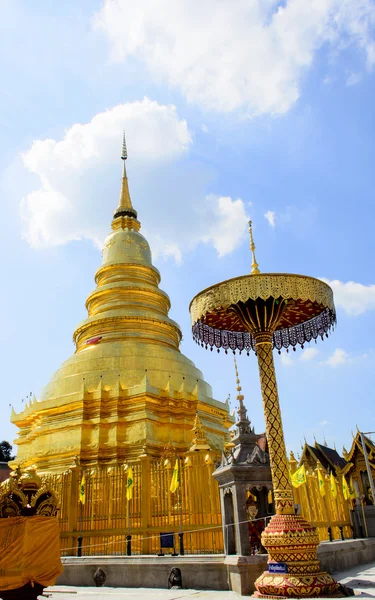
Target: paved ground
x=361 y=579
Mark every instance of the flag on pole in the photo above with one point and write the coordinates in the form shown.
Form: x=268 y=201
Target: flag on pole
x=352 y=493
x=322 y=489
x=129 y=484
x=345 y=489
x=175 y=482
x=299 y=477
x=332 y=485
x=82 y=490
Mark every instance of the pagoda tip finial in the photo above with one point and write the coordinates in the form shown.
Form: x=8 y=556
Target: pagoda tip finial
x=124 y=153
x=125 y=208
x=254 y=264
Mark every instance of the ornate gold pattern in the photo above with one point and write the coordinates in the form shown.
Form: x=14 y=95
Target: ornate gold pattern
x=291 y=540
x=254 y=264
x=264 y=286
x=25 y=493
x=283 y=493
x=296 y=309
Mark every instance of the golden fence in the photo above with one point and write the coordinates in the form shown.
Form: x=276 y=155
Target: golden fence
x=323 y=512
x=107 y=517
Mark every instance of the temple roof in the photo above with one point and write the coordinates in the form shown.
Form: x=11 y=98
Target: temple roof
x=328 y=457
x=357 y=445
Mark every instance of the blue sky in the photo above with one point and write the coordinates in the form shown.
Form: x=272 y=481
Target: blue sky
x=232 y=110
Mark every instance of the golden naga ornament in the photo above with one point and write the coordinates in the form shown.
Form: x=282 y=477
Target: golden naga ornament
x=260 y=312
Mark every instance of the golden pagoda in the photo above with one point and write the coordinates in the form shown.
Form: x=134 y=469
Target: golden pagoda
x=127 y=390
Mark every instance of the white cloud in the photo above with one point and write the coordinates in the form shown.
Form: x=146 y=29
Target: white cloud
x=286 y=360
x=309 y=354
x=204 y=128
x=353 y=79
x=78 y=183
x=235 y=55
x=324 y=422
x=353 y=298
x=339 y=357
x=270 y=216
x=223 y=216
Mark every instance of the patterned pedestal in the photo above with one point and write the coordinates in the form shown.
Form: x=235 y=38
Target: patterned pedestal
x=293 y=542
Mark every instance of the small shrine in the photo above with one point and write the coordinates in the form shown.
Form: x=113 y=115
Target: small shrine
x=360 y=468
x=245 y=482
x=355 y=466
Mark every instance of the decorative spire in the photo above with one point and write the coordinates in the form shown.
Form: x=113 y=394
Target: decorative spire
x=199 y=441
x=243 y=423
x=125 y=207
x=124 y=154
x=254 y=264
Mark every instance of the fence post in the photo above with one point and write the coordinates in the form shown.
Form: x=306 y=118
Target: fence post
x=146 y=502
x=72 y=506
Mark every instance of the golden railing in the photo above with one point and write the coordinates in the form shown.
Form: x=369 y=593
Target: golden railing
x=103 y=521
x=323 y=512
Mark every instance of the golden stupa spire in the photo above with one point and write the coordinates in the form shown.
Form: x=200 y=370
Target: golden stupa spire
x=254 y=264
x=125 y=210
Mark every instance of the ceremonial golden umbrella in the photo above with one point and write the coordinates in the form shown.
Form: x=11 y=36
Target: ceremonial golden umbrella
x=260 y=312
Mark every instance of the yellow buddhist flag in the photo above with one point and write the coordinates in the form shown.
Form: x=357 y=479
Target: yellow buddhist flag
x=352 y=492
x=345 y=489
x=299 y=477
x=129 y=484
x=322 y=489
x=175 y=482
x=82 y=490
x=332 y=485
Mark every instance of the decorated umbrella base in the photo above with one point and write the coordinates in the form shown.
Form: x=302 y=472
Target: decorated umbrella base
x=293 y=570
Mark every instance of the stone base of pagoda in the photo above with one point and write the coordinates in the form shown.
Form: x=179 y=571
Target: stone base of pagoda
x=293 y=568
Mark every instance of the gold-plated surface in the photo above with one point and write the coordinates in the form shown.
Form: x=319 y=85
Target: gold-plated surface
x=301 y=292
x=103 y=519
x=323 y=511
x=127 y=390
x=25 y=493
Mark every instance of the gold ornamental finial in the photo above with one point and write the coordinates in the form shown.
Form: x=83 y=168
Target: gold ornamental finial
x=254 y=264
x=199 y=441
x=240 y=396
x=125 y=207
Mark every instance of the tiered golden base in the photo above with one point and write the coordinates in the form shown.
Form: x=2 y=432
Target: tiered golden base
x=292 y=541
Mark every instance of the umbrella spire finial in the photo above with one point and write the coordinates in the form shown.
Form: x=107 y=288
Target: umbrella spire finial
x=254 y=264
